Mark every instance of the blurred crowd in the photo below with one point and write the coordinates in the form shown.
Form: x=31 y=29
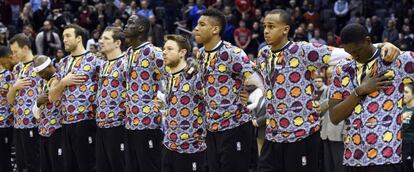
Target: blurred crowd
x=312 y=20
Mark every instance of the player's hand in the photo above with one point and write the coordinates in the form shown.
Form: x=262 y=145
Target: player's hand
x=42 y=99
x=73 y=79
x=244 y=96
x=372 y=84
x=22 y=83
x=158 y=103
x=406 y=115
x=389 y=52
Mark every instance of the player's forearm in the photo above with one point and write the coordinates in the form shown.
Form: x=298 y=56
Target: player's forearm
x=56 y=91
x=11 y=95
x=342 y=110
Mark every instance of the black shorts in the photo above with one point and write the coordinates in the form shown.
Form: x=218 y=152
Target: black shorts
x=79 y=146
x=143 y=150
x=183 y=162
x=51 y=152
x=300 y=156
x=230 y=150
x=6 y=138
x=110 y=147
x=27 y=149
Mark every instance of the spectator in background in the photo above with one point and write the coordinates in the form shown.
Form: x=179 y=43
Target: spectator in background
x=242 y=35
x=37 y=4
x=257 y=39
x=145 y=11
x=300 y=35
x=405 y=41
x=229 y=15
x=94 y=40
x=156 y=32
x=310 y=31
x=93 y=48
x=84 y=15
x=40 y=15
x=3 y=35
x=47 y=41
x=333 y=40
x=317 y=38
x=377 y=29
x=196 y=11
x=228 y=33
x=267 y=6
x=312 y=16
x=110 y=10
x=132 y=8
x=243 y=6
x=60 y=54
x=341 y=11
x=391 y=33
x=26 y=16
x=355 y=6
x=368 y=25
x=118 y=23
x=98 y=16
x=58 y=19
x=122 y=14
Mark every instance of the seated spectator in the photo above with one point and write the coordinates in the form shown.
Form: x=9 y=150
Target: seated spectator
x=145 y=11
x=312 y=16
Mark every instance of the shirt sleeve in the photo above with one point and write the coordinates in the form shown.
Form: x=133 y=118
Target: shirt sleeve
x=158 y=68
x=241 y=63
x=340 y=86
x=316 y=54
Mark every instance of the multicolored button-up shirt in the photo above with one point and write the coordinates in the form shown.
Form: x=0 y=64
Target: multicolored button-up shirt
x=6 y=116
x=79 y=100
x=373 y=131
x=111 y=94
x=26 y=98
x=224 y=71
x=289 y=86
x=144 y=70
x=50 y=115
x=185 y=129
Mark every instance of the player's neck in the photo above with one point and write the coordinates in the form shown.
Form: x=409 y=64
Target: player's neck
x=181 y=65
x=2 y=68
x=212 y=43
x=279 y=45
x=137 y=42
x=78 y=51
x=28 y=57
x=113 y=54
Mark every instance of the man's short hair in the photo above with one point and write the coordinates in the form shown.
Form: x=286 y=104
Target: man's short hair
x=218 y=16
x=353 y=33
x=22 y=40
x=284 y=15
x=181 y=41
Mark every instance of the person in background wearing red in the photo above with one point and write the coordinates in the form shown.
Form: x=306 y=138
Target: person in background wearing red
x=242 y=35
